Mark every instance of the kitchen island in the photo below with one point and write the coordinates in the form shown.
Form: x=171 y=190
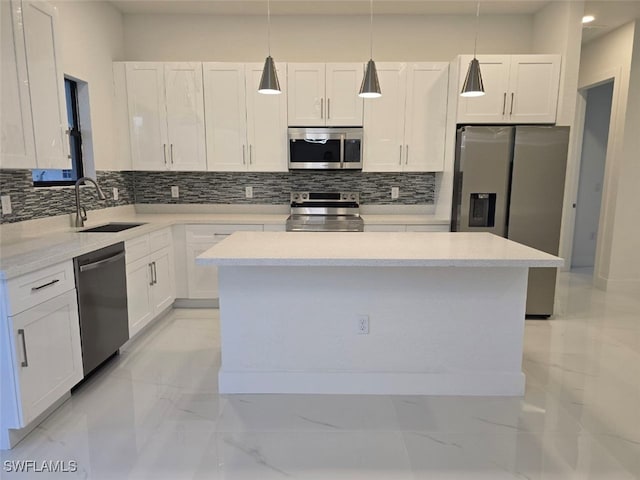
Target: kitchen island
x=372 y=313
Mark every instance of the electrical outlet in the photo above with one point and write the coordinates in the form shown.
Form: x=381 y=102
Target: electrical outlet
x=175 y=192
x=6 y=204
x=363 y=324
x=248 y=192
x=116 y=195
x=395 y=193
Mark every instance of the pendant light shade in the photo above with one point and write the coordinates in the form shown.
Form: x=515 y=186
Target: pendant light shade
x=269 y=84
x=370 y=87
x=473 y=86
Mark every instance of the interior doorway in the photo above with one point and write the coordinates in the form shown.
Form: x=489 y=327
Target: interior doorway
x=592 y=163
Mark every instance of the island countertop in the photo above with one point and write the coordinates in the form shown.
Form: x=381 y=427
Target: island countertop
x=376 y=249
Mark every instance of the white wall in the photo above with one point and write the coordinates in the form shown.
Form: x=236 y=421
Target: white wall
x=617 y=55
x=321 y=38
x=92 y=37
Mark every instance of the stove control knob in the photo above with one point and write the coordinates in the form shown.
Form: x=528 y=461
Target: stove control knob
x=344 y=196
x=296 y=197
x=353 y=197
x=305 y=196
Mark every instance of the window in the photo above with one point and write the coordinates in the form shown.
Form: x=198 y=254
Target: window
x=52 y=177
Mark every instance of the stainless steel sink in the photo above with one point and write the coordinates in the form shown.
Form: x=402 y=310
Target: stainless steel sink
x=111 y=227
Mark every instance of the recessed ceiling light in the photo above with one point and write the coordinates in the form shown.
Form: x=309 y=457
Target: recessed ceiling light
x=588 y=19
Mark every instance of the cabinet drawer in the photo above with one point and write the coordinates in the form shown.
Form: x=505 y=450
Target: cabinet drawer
x=136 y=248
x=33 y=288
x=215 y=233
x=428 y=228
x=384 y=228
x=160 y=239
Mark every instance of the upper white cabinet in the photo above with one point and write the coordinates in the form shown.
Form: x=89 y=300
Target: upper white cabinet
x=245 y=130
x=34 y=115
x=404 y=130
x=324 y=94
x=518 y=89
x=166 y=116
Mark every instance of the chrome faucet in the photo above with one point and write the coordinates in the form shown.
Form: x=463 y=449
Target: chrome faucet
x=81 y=212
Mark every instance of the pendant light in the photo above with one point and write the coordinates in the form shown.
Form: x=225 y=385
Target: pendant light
x=473 y=86
x=370 y=87
x=269 y=84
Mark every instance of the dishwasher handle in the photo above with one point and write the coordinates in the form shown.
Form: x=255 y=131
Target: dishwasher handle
x=99 y=263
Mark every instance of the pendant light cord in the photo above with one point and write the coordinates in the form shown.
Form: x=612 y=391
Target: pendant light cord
x=475 y=44
x=371 y=29
x=269 y=27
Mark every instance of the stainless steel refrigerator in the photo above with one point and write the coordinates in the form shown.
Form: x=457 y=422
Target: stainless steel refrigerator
x=509 y=180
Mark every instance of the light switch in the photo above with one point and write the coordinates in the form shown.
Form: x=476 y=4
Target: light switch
x=6 y=204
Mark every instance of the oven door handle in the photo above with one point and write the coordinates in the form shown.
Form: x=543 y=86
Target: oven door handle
x=98 y=264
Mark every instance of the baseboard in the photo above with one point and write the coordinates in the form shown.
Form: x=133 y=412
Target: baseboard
x=196 y=303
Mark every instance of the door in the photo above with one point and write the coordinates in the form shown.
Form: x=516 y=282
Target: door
x=163 y=291
x=343 y=105
x=384 y=121
x=492 y=106
x=16 y=139
x=305 y=98
x=46 y=85
x=534 y=81
x=266 y=123
x=226 y=114
x=426 y=116
x=185 y=116
x=535 y=211
x=139 y=303
x=48 y=356
x=147 y=116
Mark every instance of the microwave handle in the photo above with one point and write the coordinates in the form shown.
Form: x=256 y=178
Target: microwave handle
x=316 y=140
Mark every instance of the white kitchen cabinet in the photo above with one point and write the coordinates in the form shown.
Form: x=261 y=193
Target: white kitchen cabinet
x=324 y=94
x=518 y=89
x=34 y=114
x=166 y=116
x=405 y=129
x=150 y=278
x=393 y=227
x=202 y=280
x=245 y=130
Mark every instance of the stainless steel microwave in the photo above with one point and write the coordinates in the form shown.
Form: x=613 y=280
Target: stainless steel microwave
x=330 y=148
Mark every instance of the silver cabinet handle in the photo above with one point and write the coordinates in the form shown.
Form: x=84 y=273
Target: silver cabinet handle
x=52 y=282
x=155 y=273
x=504 y=102
x=98 y=264
x=406 y=155
x=244 y=162
x=400 y=159
x=171 y=156
x=328 y=108
x=322 y=108
x=511 y=112
x=250 y=154
x=164 y=152
x=150 y=265
x=25 y=362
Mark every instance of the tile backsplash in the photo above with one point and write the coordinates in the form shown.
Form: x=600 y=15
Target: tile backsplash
x=209 y=188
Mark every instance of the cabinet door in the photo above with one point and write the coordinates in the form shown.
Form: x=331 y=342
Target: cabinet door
x=226 y=115
x=305 y=98
x=384 y=121
x=163 y=290
x=17 y=149
x=139 y=303
x=185 y=116
x=202 y=279
x=426 y=116
x=147 y=116
x=533 y=82
x=343 y=105
x=48 y=355
x=46 y=85
x=266 y=123
x=492 y=107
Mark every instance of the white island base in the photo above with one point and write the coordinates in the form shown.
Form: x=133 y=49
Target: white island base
x=436 y=326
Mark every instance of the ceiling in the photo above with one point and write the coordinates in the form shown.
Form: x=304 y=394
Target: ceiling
x=609 y=14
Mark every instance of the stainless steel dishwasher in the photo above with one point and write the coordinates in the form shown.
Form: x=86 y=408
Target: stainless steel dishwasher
x=101 y=283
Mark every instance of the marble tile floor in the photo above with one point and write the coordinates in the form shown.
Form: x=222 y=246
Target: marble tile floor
x=155 y=413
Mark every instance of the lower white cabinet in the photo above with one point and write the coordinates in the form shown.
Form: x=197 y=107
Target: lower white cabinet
x=202 y=280
x=150 y=278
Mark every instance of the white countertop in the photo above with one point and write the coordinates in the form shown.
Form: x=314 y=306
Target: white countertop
x=376 y=249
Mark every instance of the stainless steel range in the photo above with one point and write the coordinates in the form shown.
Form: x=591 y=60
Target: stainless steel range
x=325 y=212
